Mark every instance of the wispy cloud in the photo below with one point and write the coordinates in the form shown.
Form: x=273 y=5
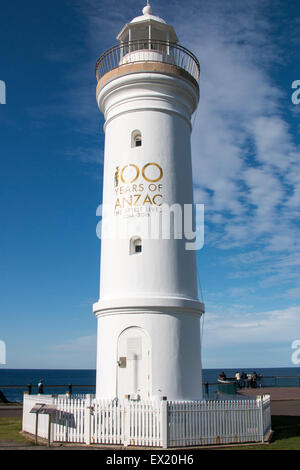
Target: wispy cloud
x=282 y=325
x=244 y=155
x=84 y=344
x=245 y=158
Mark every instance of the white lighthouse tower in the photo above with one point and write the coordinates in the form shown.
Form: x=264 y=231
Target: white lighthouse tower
x=148 y=312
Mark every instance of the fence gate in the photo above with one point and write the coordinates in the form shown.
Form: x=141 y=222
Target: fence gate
x=122 y=422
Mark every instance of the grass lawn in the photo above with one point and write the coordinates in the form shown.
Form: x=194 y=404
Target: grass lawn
x=287 y=434
x=10 y=430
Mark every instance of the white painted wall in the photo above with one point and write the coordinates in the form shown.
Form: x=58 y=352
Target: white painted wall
x=175 y=369
x=157 y=289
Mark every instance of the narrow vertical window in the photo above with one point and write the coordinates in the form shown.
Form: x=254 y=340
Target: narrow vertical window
x=136 y=139
x=135 y=245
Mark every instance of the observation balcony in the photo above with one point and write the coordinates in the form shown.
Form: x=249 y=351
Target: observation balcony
x=147 y=55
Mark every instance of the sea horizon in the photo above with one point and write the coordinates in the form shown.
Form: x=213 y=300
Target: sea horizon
x=204 y=368
x=84 y=380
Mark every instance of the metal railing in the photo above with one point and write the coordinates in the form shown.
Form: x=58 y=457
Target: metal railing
x=147 y=50
x=14 y=393
x=270 y=381
x=209 y=388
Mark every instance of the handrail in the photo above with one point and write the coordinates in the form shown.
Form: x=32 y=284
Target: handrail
x=47 y=386
x=265 y=381
x=159 y=51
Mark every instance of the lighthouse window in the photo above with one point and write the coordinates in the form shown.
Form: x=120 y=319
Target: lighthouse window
x=136 y=139
x=135 y=245
x=138 y=248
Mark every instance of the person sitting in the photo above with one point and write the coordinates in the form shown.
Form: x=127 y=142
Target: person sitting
x=222 y=376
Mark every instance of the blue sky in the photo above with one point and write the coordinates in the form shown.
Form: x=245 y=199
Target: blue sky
x=246 y=161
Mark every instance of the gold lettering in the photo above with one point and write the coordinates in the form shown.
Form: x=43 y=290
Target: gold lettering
x=129 y=202
x=137 y=198
x=147 y=200
x=154 y=199
x=144 y=172
x=136 y=176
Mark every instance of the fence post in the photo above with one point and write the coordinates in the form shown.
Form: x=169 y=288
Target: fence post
x=164 y=423
x=260 y=418
x=87 y=419
x=126 y=424
x=25 y=412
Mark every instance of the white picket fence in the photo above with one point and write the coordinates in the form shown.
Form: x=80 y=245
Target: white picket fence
x=218 y=422
x=128 y=423
x=29 y=419
x=150 y=424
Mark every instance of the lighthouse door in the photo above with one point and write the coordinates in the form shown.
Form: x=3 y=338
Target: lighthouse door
x=133 y=372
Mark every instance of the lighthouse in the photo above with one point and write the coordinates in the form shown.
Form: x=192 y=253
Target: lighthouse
x=149 y=376
x=148 y=313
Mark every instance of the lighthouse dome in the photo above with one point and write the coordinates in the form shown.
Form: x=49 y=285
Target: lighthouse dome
x=147 y=26
x=147 y=15
x=147 y=10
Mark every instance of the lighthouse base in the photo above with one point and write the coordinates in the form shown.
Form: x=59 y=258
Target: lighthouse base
x=149 y=354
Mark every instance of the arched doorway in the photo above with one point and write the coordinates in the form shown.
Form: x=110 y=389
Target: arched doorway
x=134 y=363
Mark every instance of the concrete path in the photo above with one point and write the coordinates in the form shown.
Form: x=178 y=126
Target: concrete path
x=280 y=393
x=285 y=408
x=285 y=401
x=10 y=411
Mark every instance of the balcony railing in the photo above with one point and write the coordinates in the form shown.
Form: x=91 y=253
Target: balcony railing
x=147 y=50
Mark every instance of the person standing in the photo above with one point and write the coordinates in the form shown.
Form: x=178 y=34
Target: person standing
x=238 y=379
x=249 y=380
x=41 y=387
x=243 y=379
x=254 y=380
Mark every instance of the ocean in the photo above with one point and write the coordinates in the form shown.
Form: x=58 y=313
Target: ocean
x=21 y=377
